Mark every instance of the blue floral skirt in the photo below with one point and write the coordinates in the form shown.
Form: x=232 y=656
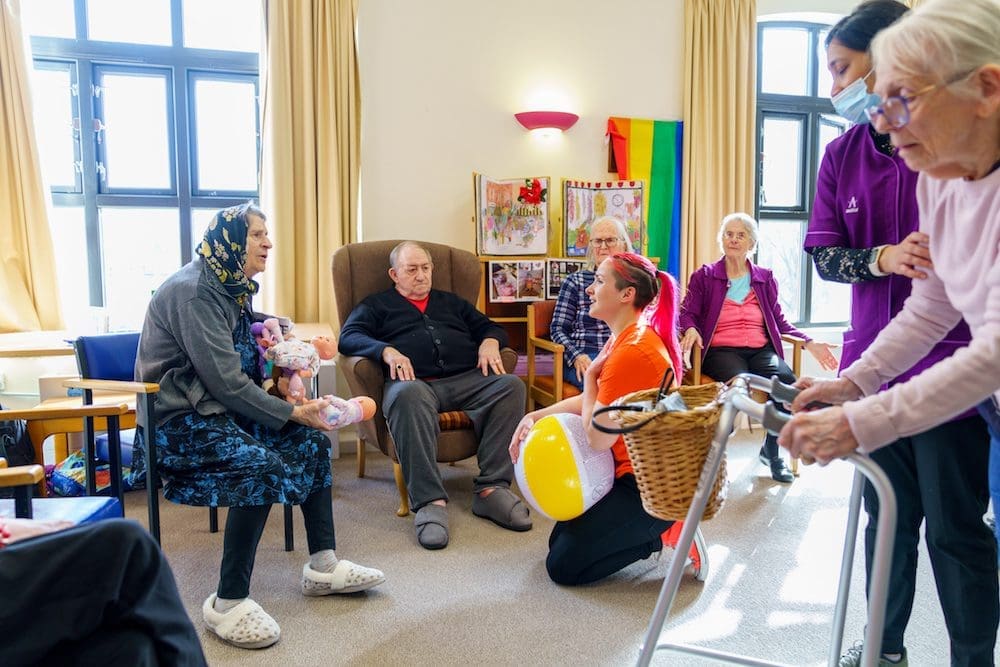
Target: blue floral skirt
x=222 y=461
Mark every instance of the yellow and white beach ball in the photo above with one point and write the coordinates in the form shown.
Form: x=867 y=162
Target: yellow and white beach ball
x=557 y=471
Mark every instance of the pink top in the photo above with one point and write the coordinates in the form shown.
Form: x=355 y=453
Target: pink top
x=740 y=324
x=962 y=219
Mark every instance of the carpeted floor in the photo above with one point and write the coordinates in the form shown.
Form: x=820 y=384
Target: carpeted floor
x=774 y=549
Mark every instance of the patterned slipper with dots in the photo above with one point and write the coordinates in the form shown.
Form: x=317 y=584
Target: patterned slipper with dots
x=246 y=625
x=347 y=577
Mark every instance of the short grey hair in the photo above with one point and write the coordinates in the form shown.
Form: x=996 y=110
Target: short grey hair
x=621 y=232
x=748 y=223
x=394 y=253
x=940 y=40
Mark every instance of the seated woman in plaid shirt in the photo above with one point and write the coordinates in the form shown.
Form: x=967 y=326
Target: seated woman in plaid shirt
x=572 y=326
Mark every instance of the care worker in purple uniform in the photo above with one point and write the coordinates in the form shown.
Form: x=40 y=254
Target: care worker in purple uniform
x=863 y=231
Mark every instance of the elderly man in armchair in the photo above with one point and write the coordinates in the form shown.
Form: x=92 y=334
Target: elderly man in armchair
x=441 y=354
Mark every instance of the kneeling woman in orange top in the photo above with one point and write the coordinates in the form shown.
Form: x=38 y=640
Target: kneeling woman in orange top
x=616 y=531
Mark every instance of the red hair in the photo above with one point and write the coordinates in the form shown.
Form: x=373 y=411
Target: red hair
x=656 y=294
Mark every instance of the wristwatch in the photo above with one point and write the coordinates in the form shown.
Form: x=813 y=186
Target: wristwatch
x=873 y=256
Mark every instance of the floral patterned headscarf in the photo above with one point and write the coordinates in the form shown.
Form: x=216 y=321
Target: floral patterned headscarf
x=224 y=250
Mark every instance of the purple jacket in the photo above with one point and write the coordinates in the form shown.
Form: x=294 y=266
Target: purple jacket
x=866 y=199
x=706 y=292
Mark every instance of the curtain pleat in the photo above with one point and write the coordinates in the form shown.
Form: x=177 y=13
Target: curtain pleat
x=719 y=114
x=29 y=294
x=311 y=118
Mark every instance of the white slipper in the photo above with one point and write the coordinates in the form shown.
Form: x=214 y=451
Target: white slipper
x=347 y=577
x=246 y=625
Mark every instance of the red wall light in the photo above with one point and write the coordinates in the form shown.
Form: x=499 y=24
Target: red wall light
x=535 y=120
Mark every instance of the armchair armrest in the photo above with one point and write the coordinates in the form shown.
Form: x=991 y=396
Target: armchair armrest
x=28 y=475
x=364 y=376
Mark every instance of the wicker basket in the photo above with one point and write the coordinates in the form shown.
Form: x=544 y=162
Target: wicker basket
x=669 y=451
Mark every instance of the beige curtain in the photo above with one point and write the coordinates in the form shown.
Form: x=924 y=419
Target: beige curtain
x=720 y=56
x=310 y=159
x=29 y=295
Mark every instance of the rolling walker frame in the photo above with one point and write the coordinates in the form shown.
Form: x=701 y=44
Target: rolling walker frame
x=737 y=399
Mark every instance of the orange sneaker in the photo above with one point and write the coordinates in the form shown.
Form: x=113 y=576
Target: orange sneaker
x=697 y=560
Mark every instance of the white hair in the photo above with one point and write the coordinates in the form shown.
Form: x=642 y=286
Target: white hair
x=942 y=40
x=620 y=231
x=748 y=223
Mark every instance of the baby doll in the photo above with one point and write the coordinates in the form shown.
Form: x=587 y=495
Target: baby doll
x=294 y=360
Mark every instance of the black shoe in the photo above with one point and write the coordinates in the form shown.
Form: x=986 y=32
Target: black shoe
x=779 y=471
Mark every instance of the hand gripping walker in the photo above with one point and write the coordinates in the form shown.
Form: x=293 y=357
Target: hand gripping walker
x=735 y=399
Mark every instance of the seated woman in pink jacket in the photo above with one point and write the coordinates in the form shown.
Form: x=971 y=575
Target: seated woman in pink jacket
x=731 y=310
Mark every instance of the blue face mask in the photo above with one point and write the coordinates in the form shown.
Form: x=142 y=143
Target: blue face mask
x=851 y=102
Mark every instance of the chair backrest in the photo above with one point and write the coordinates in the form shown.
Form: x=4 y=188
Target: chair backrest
x=107 y=356
x=540 y=319
x=362 y=269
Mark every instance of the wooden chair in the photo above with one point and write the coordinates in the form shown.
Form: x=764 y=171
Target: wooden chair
x=545 y=389
x=361 y=269
x=45 y=421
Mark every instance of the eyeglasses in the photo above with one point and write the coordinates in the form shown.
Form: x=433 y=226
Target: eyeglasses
x=896 y=109
x=607 y=243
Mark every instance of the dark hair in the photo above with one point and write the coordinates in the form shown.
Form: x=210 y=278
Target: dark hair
x=857 y=30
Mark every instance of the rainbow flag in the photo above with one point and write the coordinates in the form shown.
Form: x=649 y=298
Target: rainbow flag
x=651 y=150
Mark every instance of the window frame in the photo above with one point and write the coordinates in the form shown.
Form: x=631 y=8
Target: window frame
x=814 y=108
x=86 y=58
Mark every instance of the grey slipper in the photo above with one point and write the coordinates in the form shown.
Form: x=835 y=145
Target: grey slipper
x=503 y=508
x=431 y=523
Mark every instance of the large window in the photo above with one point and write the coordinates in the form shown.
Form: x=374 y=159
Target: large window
x=795 y=122
x=147 y=122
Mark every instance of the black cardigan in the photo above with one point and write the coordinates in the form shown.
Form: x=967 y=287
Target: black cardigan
x=442 y=341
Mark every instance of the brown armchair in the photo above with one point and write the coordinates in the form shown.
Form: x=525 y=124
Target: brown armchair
x=545 y=389
x=362 y=269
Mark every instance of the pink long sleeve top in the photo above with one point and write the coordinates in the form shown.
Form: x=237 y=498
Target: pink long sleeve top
x=962 y=219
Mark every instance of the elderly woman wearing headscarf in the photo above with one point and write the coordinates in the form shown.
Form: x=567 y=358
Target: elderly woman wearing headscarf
x=224 y=441
x=938 y=77
x=583 y=336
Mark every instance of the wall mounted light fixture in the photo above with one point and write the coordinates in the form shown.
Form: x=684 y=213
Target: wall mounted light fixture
x=535 y=120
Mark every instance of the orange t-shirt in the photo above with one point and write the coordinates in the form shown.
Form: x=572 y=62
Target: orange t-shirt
x=637 y=361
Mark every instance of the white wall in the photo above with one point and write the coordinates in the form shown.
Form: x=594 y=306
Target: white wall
x=442 y=79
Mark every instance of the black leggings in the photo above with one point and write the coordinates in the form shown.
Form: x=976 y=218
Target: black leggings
x=613 y=533
x=724 y=363
x=244 y=526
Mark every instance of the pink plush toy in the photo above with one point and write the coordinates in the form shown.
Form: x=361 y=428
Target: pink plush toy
x=297 y=360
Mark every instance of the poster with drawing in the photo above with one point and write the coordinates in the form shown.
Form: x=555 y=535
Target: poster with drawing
x=586 y=201
x=522 y=280
x=512 y=215
x=556 y=271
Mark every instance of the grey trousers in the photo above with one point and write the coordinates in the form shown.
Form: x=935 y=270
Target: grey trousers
x=495 y=404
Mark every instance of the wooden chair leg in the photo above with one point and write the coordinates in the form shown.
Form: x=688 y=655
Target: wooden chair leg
x=361 y=457
x=404 y=500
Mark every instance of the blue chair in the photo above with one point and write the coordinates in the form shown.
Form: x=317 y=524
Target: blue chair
x=107 y=363
x=44 y=421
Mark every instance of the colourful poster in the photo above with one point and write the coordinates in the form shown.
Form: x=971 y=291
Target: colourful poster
x=586 y=201
x=512 y=215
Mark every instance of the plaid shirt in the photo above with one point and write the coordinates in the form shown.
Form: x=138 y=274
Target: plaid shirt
x=572 y=326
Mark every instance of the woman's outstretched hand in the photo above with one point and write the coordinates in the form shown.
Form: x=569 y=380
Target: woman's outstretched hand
x=823 y=353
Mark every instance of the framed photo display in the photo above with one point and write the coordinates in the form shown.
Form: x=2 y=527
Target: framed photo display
x=586 y=201
x=512 y=215
x=556 y=271
x=517 y=280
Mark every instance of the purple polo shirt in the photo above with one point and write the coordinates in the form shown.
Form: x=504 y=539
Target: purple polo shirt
x=865 y=198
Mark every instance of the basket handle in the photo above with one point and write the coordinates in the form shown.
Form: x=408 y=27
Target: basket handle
x=620 y=408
